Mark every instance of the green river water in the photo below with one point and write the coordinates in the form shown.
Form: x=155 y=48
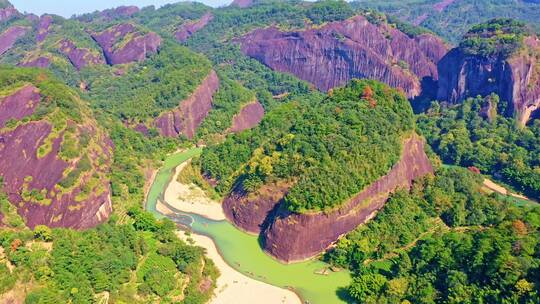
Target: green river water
x=243 y=252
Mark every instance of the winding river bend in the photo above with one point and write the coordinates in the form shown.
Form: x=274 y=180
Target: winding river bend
x=243 y=252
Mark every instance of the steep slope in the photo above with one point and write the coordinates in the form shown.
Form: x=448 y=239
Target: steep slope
x=331 y=55
x=500 y=57
x=10 y=36
x=125 y=43
x=250 y=115
x=190 y=113
x=186 y=30
x=54 y=159
x=312 y=170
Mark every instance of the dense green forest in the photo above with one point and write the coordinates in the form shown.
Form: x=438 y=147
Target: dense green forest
x=445 y=242
x=458 y=17
x=473 y=134
x=136 y=262
x=328 y=151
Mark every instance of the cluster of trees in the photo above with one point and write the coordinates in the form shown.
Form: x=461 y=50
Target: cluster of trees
x=330 y=149
x=137 y=262
x=445 y=242
x=472 y=134
x=497 y=37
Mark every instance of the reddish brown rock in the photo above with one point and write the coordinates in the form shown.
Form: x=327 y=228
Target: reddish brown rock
x=124 y=43
x=8 y=13
x=332 y=55
x=10 y=36
x=19 y=104
x=187 y=30
x=186 y=118
x=43 y=27
x=250 y=212
x=79 y=57
x=250 y=116
x=40 y=62
x=515 y=79
x=292 y=237
x=31 y=180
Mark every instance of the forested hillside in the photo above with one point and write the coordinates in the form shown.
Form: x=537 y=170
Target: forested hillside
x=453 y=18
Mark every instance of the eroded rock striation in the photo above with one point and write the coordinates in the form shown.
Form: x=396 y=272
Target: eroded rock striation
x=10 y=36
x=516 y=79
x=335 y=53
x=48 y=185
x=43 y=27
x=125 y=43
x=79 y=57
x=187 y=30
x=186 y=118
x=292 y=237
x=249 y=117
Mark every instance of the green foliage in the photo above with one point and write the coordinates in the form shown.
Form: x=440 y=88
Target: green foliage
x=43 y=233
x=329 y=10
x=486 y=251
x=457 y=18
x=462 y=135
x=497 y=37
x=330 y=149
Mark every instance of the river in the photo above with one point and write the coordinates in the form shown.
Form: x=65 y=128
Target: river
x=243 y=252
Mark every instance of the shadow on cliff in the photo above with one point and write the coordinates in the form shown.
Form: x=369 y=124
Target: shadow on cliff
x=343 y=295
x=428 y=93
x=277 y=211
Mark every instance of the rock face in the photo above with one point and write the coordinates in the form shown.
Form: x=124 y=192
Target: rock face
x=187 y=30
x=8 y=13
x=10 y=36
x=32 y=179
x=332 y=55
x=119 y=12
x=40 y=62
x=292 y=237
x=43 y=27
x=79 y=57
x=250 y=116
x=124 y=43
x=515 y=79
x=189 y=115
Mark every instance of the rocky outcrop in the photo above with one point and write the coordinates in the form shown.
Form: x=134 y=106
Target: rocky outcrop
x=335 y=53
x=292 y=237
x=43 y=27
x=189 y=115
x=35 y=173
x=10 y=36
x=515 y=79
x=187 y=30
x=40 y=62
x=79 y=57
x=249 y=117
x=18 y=105
x=125 y=43
x=8 y=13
x=250 y=212
x=120 y=12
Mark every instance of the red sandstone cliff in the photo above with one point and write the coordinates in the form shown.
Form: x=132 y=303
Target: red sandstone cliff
x=291 y=237
x=10 y=36
x=79 y=57
x=187 y=30
x=125 y=43
x=33 y=167
x=515 y=79
x=332 y=55
x=186 y=118
x=249 y=117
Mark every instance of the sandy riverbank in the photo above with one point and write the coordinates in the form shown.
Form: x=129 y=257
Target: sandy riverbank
x=190 y=198
x=234 y=287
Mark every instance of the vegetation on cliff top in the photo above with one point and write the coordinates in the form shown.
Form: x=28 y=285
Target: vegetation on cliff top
x=445 y=242
x=495 y=38
x=329 y=150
